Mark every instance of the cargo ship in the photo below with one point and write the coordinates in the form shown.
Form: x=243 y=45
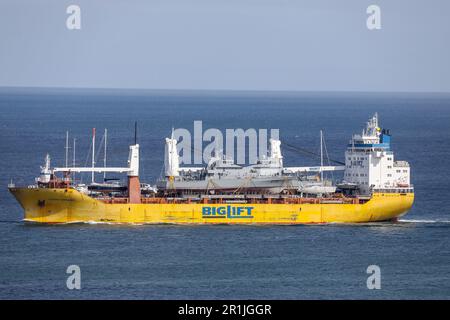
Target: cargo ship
x=374 y=187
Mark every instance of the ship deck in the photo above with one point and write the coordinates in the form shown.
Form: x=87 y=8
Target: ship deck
x=247 y=199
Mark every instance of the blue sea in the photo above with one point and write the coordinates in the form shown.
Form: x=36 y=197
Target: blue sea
x=223 y=262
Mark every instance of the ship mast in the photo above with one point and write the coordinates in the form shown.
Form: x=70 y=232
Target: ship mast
x=74 y=146
x=104 y=157
x=67 y=148
x=73 y=159
x=321 y=155
x=93 y=153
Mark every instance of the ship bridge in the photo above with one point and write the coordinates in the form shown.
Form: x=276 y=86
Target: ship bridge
x=372 y=138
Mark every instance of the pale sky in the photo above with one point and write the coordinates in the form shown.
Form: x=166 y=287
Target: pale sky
x=314 y=45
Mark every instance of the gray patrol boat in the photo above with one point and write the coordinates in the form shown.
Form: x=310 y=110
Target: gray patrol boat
x=222 y=176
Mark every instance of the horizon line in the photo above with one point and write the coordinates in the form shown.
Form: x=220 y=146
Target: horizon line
x=224 y=90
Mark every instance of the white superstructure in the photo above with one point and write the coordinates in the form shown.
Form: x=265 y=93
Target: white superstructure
x=133 y=161
x=370 y=163
x=46 y=171
x=171 y=158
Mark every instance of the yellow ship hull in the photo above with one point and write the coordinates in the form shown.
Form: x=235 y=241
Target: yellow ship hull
x=69 y=205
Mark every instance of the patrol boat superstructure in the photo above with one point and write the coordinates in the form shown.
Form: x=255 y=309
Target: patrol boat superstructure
x=222 y=175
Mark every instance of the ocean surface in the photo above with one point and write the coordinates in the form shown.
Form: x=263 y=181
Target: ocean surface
x=223 y=262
